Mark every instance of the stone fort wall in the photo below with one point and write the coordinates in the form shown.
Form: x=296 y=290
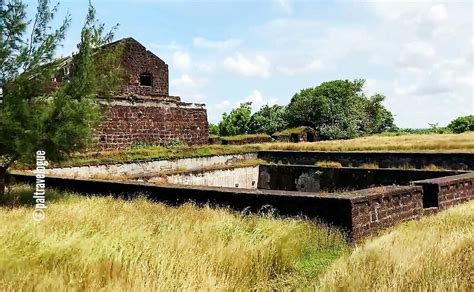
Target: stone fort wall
x=151 y=122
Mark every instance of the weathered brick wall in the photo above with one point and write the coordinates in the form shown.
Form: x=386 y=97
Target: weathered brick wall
x=137 y=60
x=151 y=123
x=447 y=191
x=382 y=207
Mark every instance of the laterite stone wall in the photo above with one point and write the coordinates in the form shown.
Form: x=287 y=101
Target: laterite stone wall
x=385 y=207
x=445 y=192
x=151 y=123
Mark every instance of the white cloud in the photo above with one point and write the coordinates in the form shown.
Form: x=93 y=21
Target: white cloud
x=181 y=60
x=371 y=87
x=223 y=105
x=284 y=5
x=258 y=66
x=438 y=12
x=200 y=42
x=295 y=68
x=258 y=100
x=186 y=82
x=158 y=47
x=416 y=55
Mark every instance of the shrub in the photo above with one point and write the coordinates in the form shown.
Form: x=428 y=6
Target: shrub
x=462 y=124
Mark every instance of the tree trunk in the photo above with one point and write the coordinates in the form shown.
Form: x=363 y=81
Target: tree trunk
x=2 y=182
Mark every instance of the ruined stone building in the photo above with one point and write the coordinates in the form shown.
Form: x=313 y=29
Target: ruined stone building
x=142 y=112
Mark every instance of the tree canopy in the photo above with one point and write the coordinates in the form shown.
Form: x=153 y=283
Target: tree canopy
x=339 y=110
x=462 y=124
x=236 y=122
x=269 y=119
x=33 y=116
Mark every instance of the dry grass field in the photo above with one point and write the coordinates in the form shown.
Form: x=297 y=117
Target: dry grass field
x=407 y=142
x=435 y=253
x=111 y=244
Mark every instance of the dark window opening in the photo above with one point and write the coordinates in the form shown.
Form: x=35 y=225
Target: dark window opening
x=146 y=79
x=310 y=137
x=295 y=138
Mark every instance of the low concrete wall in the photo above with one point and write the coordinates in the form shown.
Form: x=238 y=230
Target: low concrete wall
x=460 y=161
x=445 y=192
x=358 y=213
x=147 y=167
x=240 y=177
x=314 y=179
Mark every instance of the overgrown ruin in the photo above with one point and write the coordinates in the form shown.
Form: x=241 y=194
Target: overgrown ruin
x=354 y=197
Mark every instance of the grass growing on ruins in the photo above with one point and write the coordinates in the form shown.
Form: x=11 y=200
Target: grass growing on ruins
x=105 y=243
x=433 y=254
x=407 y=142
x=91 y=243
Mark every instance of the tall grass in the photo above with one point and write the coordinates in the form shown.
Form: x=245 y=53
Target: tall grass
x=111 y=244
x=435 y=253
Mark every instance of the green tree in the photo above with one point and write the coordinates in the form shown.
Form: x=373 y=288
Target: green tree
x=213 y=129
x=462 y=124
x=269 y=119
x=339 y=110
x=377 y=118
x=32 y=116
x=236 y=122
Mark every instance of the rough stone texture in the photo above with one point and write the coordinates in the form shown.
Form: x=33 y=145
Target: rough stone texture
x=315 y=179
x=215 y=140
x=144 y=114
x=138 y=60
x=151 y=123
x=461 y=160
x=447 y=191
x=301 y=134
x=376 y=209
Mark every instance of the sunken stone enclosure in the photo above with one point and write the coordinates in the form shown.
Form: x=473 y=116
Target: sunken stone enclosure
x=357 y=199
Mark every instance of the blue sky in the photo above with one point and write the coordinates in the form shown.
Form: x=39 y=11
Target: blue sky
x=417 y=53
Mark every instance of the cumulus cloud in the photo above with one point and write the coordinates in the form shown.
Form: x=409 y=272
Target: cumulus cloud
x=258 y=100
x=181 y=60
x=201 y=42
x=186 y=81
x=295 y=68
x=259 y=66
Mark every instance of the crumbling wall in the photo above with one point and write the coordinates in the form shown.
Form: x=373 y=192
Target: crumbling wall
x=327 y=179
x=127 y=124
x=447 y=191
x=138 y=60
x=452 y=160
x=378 y=208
